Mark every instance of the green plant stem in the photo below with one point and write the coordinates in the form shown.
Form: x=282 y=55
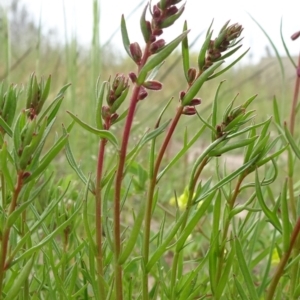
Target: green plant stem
x=3 y=191
x=226 y=227
x=192 y=186
x=151 y=190
x=99 y=257
x=292 y=195
x=6 y=230
x=295 y=99
x=284 y=259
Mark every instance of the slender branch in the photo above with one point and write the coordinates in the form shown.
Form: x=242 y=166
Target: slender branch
x=118 y=185
x=226 y=227
x=99 y=217
x=6 y=231
x=284 y=259
x=152 y=185
x=295 y=98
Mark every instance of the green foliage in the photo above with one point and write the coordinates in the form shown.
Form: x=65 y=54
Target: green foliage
x=150 y=219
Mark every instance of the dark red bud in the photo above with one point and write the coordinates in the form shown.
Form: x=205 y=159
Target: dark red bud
x=153 y=85
x=136 y=52
x=157 y=32
x=195 y=102
x=105 y=113
x=295 y=35
x=26 y=175
x=152 y=38
x=189 y=110
x=191 y=74
x=142 y=93
x=156 y=12
x=156 y=46
x=171 y=11
x=114 y=117
x=181 y=95
x=132 y=77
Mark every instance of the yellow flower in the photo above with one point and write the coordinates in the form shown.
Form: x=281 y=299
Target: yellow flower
x=182 y=199
x=275 y=257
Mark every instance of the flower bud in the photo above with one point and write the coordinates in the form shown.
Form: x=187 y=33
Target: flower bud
x=153 y=85
x=119 y=84
x=295 y=35
x=191 y=75
x=157 y=32
x=114 y=118
x=171 y=11
x=156 y=12
x=142 y=93
x=25 y=175
x=189 y=110
x=156 y=46
x=136 y=52
x=195 y=102
x=105 y=112
x=132 y=77
x=181 y=95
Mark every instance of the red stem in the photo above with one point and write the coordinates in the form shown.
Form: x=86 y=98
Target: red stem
x=5 y=238
x=283 y=261
x=118 y=185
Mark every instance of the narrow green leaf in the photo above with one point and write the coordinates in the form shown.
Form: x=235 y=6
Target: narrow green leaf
x=17 y=212
x=202 y=53
x=162 y=248
x=18 y=283
x=185 y=53
x=46 y=160
x=48 y=238
x=245 y=271
x=194 y=221
x=46 y=90
x=104 y=134
x=225 y=274
x=276 y=111
x=291 y=140
x=215 y=110
x=269 y=214
x=285 y=46
x=240 y=289
x=125 y=38
x=143 y=24
x=286 y=226
x=99 y=102
x=52 y=109
x=229 y=66
x=4 y=167
x=232 y=146
x=131 y=241
x=198 y=83
x=227 y=179
x=5 y=127
x=159 y=57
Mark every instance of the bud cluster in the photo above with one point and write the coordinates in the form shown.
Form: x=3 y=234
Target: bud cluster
x=30 y=134
x=164 y=14
x=115 y=97
x=226 y=39
x=228 y=120
x=189 y=109
x=37 y=94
